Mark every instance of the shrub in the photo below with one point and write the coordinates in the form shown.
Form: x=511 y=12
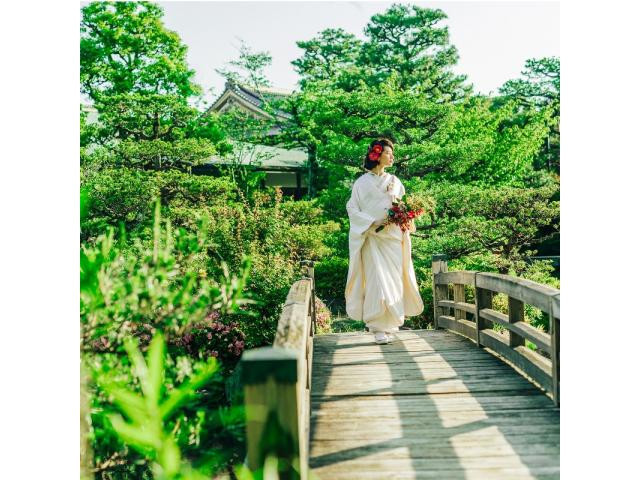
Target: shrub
x=331 y=276
x=125 y=195
x=117 y=196
x=323 y=317
x=150 y=287
x=212 y=338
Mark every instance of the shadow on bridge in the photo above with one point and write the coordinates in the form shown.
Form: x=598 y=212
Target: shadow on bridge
x=429 y=405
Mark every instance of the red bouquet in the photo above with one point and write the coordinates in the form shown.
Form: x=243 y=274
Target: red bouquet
x=402 y=213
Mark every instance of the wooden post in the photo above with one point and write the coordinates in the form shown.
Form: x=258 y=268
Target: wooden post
x=270 y=379
x=516 y=314
x=458 y=296
x=309 y=265
x=554 y=331
x=440 y=292
x=484 y=299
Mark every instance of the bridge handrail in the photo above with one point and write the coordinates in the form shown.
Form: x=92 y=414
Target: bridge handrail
x=545 y=371
x=277 y=379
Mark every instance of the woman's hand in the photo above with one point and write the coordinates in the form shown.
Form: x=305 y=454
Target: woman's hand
x=412 y=226
x=375 y=225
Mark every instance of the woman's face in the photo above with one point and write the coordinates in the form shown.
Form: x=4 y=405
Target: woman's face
x=386 y=157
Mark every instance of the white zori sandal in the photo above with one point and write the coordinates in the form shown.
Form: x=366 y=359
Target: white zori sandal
x=381 y=338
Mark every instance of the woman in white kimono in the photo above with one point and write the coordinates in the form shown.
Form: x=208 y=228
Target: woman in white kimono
x=381 y=284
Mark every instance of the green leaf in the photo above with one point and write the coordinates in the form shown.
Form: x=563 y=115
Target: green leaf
x=137 y=362
x=132 y=405
x=169 y=457
x=138 y=436
x=188 y=389
x=155 y=358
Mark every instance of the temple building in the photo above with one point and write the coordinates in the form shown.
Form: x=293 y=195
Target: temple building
x=284 y=167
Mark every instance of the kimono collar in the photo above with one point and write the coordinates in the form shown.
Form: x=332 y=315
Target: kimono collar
x=384 y=183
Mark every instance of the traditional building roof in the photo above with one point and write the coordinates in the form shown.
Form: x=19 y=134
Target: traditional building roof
x=264 y=157
x=250 y=99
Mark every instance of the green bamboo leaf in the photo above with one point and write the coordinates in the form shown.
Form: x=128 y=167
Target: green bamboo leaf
x=137 y=361
x=155 y=360
x=136 y=435
x=169 y=457
x=243 y=473
x=270 y=470
x=132 y=405
x=188 y=389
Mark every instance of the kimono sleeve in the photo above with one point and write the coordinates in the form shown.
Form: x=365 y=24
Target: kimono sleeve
x=359 y=221
x=401 y=190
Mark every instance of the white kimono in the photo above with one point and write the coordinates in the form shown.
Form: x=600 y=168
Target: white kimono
x=381 y=284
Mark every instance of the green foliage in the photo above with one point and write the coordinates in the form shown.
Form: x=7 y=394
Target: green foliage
x=539 y=87
x=248 y=68
x=135 y=291
x=212 y=338
x=146 y=116
x=274 y=468
x=539 y=90
x=475 y=156
x=331 y=277
x=159 y=154
x=150 y=287
x=217 y=227
x=147 y=412
x=116 y=196
x=472 y=141
x=410 y=40
x=136 y=73
x=267 y=228
x=123 y=195
x=405 y=40
x=497 y=223
x=323 y=317
x=331 y=56
x=125 y=48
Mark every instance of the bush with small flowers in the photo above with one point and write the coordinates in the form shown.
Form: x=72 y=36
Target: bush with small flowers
x=212 y=338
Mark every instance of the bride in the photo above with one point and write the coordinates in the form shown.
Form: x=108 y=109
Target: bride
x=381 y=284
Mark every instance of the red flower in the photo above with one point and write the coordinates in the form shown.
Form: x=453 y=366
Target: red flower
x=375 y=152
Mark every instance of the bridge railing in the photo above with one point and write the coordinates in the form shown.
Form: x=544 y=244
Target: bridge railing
x=451 y=313
x=277 y=382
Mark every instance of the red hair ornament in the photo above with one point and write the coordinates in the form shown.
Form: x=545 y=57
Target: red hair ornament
x=374 y=155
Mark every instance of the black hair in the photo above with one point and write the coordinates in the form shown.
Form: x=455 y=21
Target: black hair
x=383 y=142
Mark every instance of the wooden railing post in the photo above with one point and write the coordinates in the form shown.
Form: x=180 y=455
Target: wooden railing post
x=270 y=379
x=439 y=292
x=309 y=265
x=516 y=314
x=554 y=331
x=458 y=296
x=484 y=299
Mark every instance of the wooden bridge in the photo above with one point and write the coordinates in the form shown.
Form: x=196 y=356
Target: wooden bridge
x=462 y=401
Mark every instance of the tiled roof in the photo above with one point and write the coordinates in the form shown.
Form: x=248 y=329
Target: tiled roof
x=256 y=96
x=264 y=156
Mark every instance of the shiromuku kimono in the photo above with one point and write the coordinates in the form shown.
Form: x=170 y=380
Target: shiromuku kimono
x=381 y=284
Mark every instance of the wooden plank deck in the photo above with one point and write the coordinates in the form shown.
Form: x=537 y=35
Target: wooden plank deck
x=429 y=405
